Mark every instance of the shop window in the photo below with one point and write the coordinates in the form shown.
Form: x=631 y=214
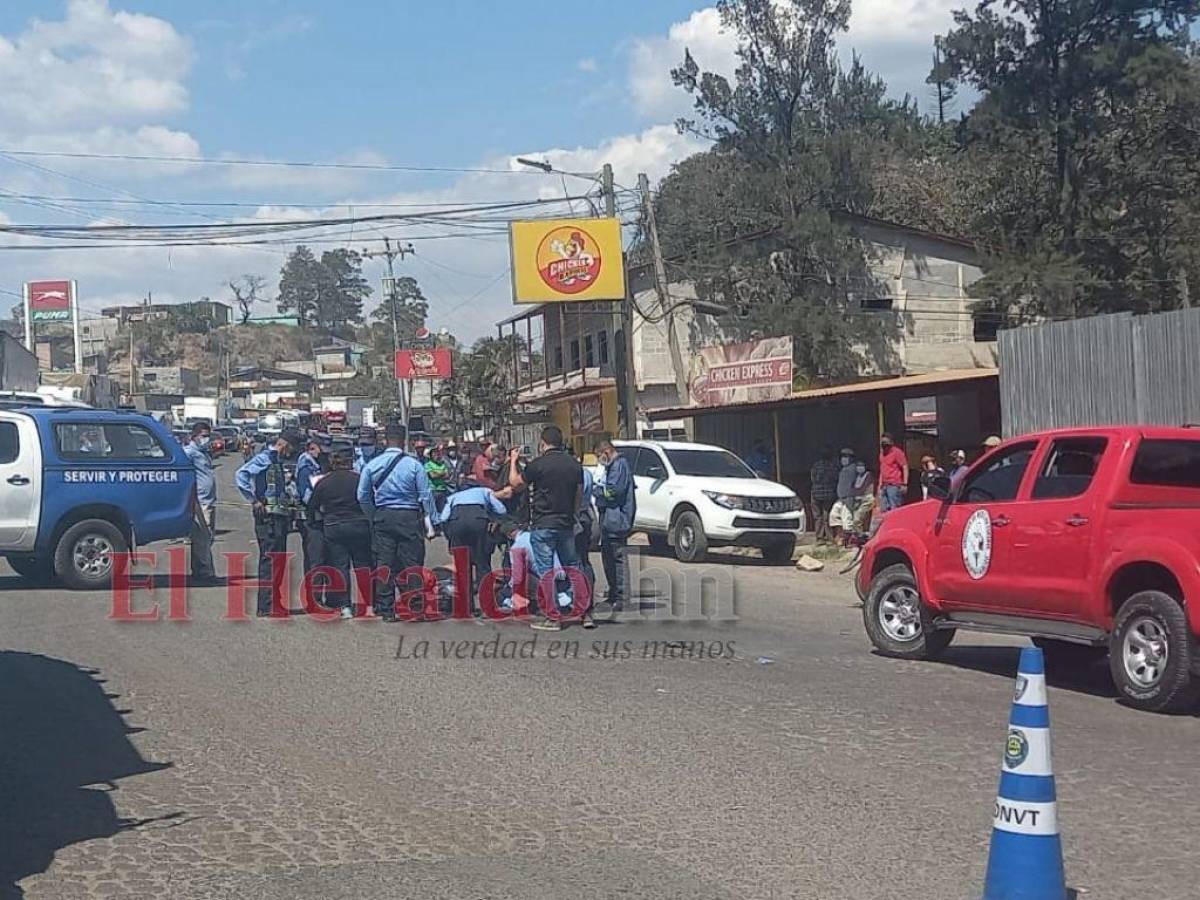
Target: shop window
x=602 y=340
x=589 y=354
x=575 y=354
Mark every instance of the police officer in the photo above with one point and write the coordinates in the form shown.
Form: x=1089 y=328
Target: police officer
x=263 y=481
x=394 y=492
x=308 y=521
x=465 y=519
x=367 y=447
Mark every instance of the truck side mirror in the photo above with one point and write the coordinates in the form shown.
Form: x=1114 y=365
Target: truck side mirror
x=940 y=487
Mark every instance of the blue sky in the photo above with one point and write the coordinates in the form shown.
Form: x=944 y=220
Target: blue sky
x=454 y=83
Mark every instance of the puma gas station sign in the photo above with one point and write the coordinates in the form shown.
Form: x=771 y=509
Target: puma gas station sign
x=50 y=301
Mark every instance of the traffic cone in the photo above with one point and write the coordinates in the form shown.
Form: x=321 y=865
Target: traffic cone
x=1025 y=862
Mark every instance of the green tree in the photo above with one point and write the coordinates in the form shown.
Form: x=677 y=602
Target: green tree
x=411 y=309
x=300 y=286
x=796 y=139
x=1084 y=144
x=342 y=289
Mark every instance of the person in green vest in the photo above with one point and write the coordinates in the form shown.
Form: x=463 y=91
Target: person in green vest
x=438 y=473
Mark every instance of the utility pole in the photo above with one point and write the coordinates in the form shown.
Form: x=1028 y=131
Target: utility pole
x=389 y=254
x=622 y=321
x=666 y=308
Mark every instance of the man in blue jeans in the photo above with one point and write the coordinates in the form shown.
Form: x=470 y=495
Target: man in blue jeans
x=555 y=482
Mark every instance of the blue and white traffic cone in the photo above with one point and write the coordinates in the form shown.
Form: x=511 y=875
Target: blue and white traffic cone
x=1025 y=862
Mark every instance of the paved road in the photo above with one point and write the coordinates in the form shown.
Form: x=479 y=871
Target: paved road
x=282 y=760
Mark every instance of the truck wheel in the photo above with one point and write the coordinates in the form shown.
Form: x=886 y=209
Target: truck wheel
x=691 y=543
x=659 y=545
x=31 y=568
x=1063 y=656
x=1150 y=654
x=779 y=552
x=897 y=621
x=83 y=559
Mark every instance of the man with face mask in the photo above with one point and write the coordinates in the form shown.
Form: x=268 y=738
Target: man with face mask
x=263 y=482
x=367 y=447
x=454 y=465
x=308 y=470
x=617 y=505
x=841 y=517
x=204 y=520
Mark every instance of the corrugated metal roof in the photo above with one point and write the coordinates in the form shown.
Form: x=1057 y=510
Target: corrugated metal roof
x=909 y=385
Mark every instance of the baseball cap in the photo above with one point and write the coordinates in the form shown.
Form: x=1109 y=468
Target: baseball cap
x=366 y=433
x=991 y=441
x=292 y=436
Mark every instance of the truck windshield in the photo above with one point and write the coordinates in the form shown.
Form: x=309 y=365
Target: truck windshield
x=1167 y=463
x=708 y=464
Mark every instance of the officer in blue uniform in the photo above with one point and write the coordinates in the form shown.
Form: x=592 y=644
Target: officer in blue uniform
x=263 y=482
x=309 y=524
x=465 y=519
x=394 y=492
x=367 y=449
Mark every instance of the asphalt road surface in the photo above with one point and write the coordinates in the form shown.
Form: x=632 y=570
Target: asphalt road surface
x=299 y=759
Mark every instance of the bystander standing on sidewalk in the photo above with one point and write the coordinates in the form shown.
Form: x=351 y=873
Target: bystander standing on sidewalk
x=823 y=478
x=893 y=474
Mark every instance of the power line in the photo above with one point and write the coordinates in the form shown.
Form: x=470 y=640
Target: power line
x=301 y=164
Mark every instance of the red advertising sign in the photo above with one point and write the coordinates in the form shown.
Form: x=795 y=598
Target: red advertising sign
x=736 y=373
x=432 y=363
x=49 y=300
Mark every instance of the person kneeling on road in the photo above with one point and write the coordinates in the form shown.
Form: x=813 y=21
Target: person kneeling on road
x=263 y=481
x=465 y=519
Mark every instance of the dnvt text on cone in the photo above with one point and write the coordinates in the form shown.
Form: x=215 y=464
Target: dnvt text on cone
x=1025 y=862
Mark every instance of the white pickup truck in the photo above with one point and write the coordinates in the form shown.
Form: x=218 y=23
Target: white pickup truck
x=695 y=496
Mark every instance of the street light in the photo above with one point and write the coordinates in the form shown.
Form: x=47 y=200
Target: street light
x=544 y=165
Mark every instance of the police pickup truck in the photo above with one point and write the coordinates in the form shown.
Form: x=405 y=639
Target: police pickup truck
x=77 y=485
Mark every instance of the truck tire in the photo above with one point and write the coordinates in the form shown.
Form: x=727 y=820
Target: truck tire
x=32 y=568
x=1063 y=656
x=691 y=543
x=779 y=552
x=83 y=557
x=1150 y=654
x=896 y=619
x=659 y=545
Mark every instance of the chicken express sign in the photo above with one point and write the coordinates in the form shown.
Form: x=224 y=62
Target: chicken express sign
x=565 y=260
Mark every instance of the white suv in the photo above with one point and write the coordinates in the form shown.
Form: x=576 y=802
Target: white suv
x=696 y=496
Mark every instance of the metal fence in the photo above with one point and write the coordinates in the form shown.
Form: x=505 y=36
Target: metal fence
x=1105 y=370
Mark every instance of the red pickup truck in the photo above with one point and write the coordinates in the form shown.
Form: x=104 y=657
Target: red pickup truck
x=1086 y=540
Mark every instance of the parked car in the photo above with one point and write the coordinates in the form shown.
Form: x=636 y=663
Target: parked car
x=695 y=496
x=1086 y=540
x=81 y=485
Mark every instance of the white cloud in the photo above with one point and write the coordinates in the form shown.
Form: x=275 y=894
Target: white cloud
x=587 y=65
x=95 y=67
x=893 y=37
x=651 y=61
